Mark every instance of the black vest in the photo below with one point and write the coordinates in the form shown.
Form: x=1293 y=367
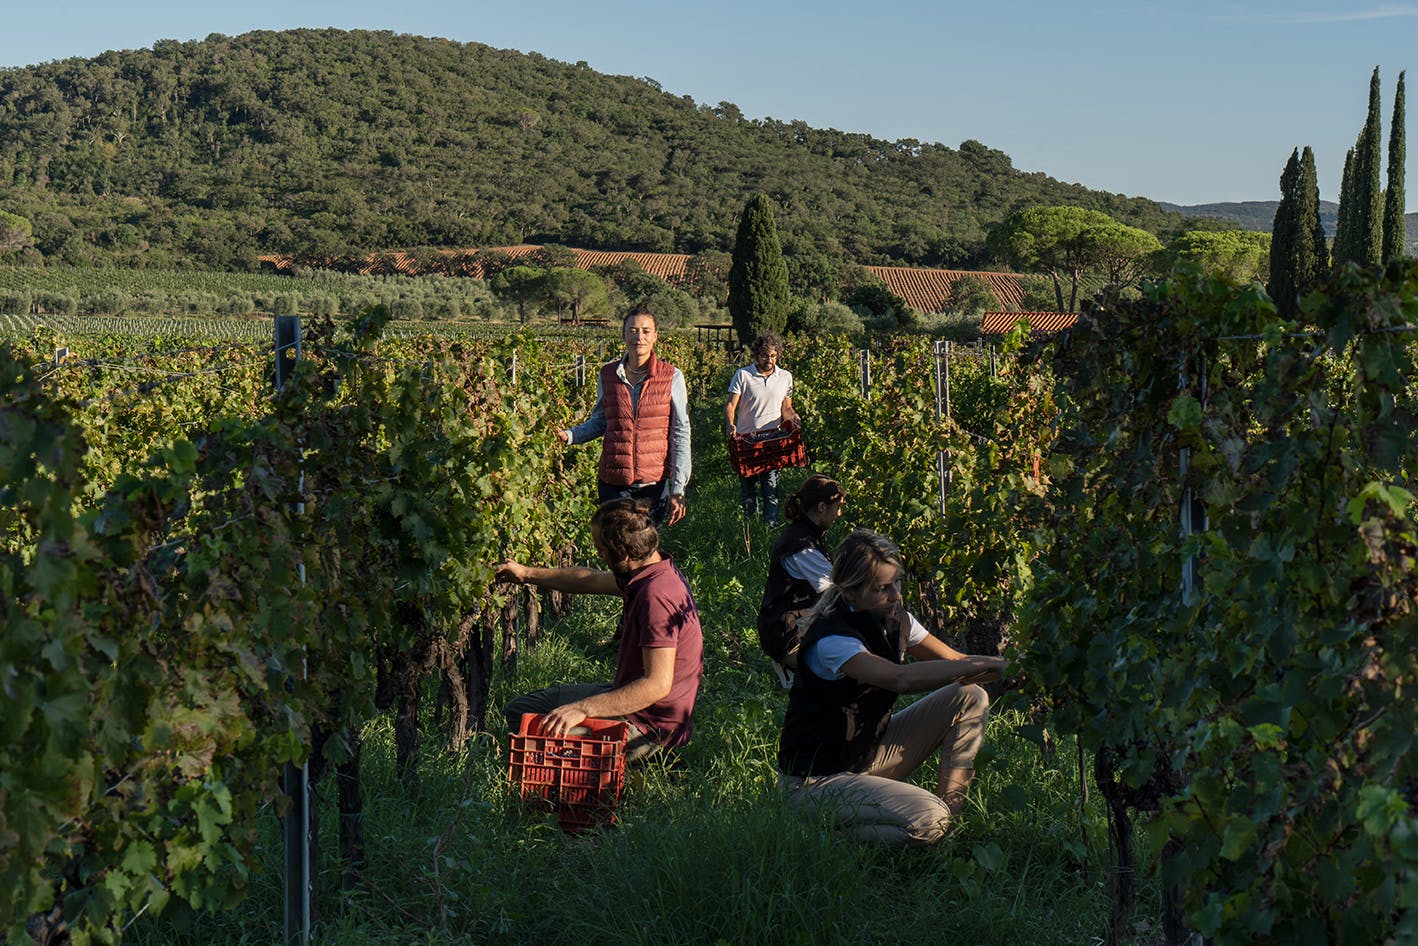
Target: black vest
x=834 y=725
x=785 y=598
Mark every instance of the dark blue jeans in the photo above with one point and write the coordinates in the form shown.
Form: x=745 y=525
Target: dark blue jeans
x=750 y=488
x=657 y=493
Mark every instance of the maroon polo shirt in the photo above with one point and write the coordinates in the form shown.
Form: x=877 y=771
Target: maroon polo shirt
x=659 y=612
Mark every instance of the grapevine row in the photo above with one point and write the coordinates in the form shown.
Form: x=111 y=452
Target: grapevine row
x=163 y=657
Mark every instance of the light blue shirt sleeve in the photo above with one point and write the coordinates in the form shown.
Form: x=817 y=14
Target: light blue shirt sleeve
x=595 y=423
x=679 y=433
x=826 y=658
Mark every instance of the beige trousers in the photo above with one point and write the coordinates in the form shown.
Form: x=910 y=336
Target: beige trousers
x=877 y=804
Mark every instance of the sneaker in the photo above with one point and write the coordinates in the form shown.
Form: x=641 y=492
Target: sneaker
x=784 y=675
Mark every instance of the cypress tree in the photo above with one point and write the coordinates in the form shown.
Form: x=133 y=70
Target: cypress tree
x=1284 y=240
x=1394 y=229
x=1368 y=231
x=1312 y=261
x=1345 y=224
x=1299 y=259
x=758 y=278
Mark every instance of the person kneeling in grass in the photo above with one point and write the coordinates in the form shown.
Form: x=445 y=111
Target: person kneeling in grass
x=799 y=571
x=661 y=656
x=842 y=749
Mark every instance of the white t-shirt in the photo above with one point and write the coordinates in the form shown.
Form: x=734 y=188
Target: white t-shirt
x=811 y=566
x=760 y=397
x=826 y=658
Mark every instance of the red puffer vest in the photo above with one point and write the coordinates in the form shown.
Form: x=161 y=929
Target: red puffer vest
x=636 y=448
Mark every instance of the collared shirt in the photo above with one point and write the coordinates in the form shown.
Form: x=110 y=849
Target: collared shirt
x=761 y=397
x=659 y=611
x=595 y=424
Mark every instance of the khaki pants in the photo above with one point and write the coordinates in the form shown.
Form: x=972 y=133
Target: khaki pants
x=876 y=804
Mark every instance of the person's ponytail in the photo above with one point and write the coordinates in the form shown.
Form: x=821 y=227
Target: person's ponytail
x=825 y=602
x=816 y=490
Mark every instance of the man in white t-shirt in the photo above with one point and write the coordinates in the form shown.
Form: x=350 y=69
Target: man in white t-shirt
x=760 y=398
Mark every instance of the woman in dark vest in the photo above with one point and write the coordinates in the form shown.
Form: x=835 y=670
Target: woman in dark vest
x=799 y=569
x=843 y=750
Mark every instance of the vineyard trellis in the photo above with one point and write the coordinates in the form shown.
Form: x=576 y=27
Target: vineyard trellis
x=1255 y=720
x=298 y=840
x=1239 y=675
x=423 y=464
x=943 y=351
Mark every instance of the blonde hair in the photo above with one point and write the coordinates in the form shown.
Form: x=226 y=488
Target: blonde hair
x=854 y=566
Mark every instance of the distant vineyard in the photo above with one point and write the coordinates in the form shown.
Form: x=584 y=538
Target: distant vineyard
x=225 y=329
x=90 y=279
x=261 y=329
x=70 y=290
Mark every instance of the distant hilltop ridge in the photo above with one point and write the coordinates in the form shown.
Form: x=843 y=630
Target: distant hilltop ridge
x=1259 y=215
x=211 y=153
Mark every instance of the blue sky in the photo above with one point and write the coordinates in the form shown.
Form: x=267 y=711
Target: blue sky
x=1184 y=102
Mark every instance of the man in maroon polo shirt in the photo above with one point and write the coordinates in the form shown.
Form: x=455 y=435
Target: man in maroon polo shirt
x=661 y=656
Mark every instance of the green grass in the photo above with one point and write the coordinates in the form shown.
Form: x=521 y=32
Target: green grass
x=705 y=851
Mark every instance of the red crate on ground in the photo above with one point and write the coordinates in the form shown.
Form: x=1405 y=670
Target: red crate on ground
x=577 y=776
x=782 y=446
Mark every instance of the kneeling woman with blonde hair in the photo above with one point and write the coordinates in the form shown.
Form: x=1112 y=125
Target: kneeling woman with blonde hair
x=842 y=748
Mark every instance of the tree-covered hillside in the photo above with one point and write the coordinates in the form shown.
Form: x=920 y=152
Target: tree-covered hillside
x=324 y=141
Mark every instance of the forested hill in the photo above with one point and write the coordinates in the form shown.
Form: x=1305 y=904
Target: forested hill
x=324 y=141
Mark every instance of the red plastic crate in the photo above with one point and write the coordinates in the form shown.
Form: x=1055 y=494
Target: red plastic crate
x=579 y=777
x=782 y=446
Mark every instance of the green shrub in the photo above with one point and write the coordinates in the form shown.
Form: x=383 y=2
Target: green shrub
x=827 y=318
x=236 y=304
x=55 y=303
x=16 y=303
x=322 y=304
x=1038 y=293
x=445 y=308
x=111 y=302
x=954 y=326
x=408 y=309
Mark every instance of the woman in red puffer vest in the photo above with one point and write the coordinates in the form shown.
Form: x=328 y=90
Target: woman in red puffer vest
x=642 y=415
